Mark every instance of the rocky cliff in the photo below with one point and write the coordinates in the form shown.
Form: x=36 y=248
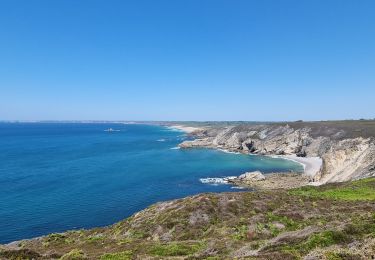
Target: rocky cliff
x=348 y=152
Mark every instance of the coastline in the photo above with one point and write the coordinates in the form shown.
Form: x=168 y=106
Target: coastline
x=311 y=165
x=186 y=129
x=269 y=188
x=284 y=180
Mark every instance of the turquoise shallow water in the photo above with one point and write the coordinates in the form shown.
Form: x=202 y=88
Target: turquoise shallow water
x=55 y=177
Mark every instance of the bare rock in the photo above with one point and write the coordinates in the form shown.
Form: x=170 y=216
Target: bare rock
x=252 y=176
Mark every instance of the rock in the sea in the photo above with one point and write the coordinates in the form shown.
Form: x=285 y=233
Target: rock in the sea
x=252 y=176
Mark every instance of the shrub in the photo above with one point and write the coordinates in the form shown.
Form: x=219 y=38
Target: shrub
x=324 y=239
x=125 y=255
x=75 y=254
x=174 y=249
x=241 y=232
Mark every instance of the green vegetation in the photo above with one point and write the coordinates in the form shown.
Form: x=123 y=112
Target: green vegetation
x=175 y=249
x=341 y=255
x=290 y=224
x=320 y=221
x=95 y=238
x=323 y=239
x=75 y=254
x=125 y=255
x=55 y=237
x=18 y=254
x=318 y=240
x=357 y=190
x=241 y=232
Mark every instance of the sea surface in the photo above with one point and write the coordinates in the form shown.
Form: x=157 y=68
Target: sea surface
x=60 y=176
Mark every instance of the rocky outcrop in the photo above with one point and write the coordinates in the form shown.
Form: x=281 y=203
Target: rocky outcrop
x=344 y=157
x=252 y=176
x=270 y=181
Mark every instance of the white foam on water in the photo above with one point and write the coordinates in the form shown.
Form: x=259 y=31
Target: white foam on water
x=175 y=148
x=160 y=140
x=216 y=181
x=173 y=129
x=227 y=151
x=289 y=159
x=238 y=187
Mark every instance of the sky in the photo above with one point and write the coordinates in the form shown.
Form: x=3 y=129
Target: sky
x=255 y=60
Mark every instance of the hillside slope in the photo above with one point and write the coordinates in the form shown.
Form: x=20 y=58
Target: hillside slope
x=333 y=221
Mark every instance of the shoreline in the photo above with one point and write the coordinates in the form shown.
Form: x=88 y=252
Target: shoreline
x=311 y=165
x=186 y=129
x=272 y=177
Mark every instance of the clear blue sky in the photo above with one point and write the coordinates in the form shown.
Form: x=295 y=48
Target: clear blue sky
x=187 y=59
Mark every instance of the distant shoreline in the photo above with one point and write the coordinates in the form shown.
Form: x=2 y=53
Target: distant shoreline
x=186 y=129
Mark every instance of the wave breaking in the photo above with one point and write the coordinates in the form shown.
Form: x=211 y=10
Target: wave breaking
x=217 y=180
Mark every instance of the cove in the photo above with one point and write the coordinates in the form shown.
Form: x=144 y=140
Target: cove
x=60 y=176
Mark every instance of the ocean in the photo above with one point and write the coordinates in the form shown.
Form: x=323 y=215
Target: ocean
x=61 y=176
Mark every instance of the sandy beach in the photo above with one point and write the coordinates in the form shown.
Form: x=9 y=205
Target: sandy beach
x=312 y=165
x=187 y=129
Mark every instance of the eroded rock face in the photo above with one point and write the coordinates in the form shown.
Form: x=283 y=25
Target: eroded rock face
x=344 y=158
x=349 y=159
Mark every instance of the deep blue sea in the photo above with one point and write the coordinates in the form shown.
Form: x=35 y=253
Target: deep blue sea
x=60 y=176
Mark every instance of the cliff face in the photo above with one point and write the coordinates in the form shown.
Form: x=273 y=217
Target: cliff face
x=345 y=156
x=349 y=159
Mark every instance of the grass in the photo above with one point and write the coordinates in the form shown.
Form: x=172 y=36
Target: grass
x=317 y=240
x=324 y=239
x=95 y=238
x=55 y=237
x=240 y=232
x=75 y=254
x=361 y=190
x=358 y=229
x=334 y=214
x=340 y=256
x=290 y=224
x=125 y=255
x=361 y=227
x=175 y=249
